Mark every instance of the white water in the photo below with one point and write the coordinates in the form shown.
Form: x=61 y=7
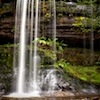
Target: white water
x=21 y=77
x=52 y=77
x=24 y=16
x=31 y=39
x=27 y=24
x=35 y=58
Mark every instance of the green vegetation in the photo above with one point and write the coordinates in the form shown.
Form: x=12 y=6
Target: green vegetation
x=86 y=24
x=6 y=65
x=70 y=60
x=6 y=57
x=77 y=69
x=90 y=74
x=48 y=42
x=87 y=2
x=46 y=49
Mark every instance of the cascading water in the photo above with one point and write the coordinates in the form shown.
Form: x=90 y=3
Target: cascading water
x=52 y=77
x=27 y=61
x=21 y=78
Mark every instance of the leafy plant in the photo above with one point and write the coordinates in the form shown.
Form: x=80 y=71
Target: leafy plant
x=85 y=24
x=48 y=52
x=48 y=42
x=61 y=63
x=60 y=45
x=45 y=41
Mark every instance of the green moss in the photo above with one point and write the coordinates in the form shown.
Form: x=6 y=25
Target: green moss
x=87 y=74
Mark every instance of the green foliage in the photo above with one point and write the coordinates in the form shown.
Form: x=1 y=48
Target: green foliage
x=60 y=15
x=85 y=24
x=6 y=57
x=47 y=17
x=48 y=42
x=65 y=9
x=97 y=63
x=6 y=65
x=46 y=47
x=60 y=45
x=45 y=41
x=61 y=63
x=47 y=55
x=61 y=9
x=45 y=11
x=87 y=2
x=79 y=21
x=85 y=73
x=6 y=60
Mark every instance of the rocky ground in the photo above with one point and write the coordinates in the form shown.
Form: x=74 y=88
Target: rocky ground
x=64 y=97
x=63 y=87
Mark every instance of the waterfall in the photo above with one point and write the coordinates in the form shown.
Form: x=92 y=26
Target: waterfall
x=26 y=60
x=52 y=77
x=26 y=57
x=22 y=48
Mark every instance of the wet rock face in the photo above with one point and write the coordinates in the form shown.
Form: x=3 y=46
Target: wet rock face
x=69 y=84
x=5 y=82
x=53 y=79
x=63 y=87
x=2 y=89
